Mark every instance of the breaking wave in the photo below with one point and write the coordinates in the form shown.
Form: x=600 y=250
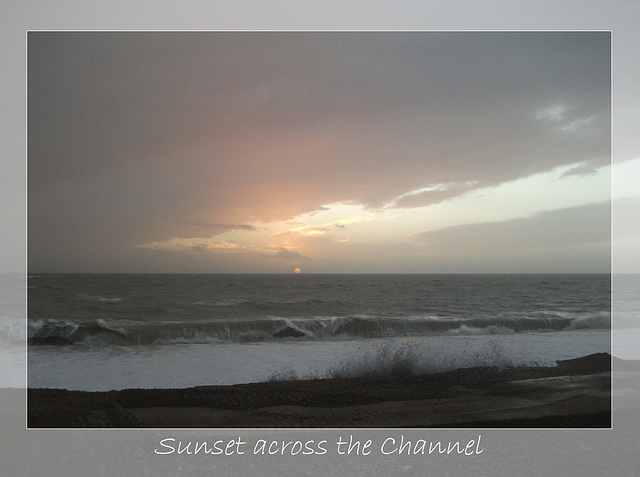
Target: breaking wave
x=130 y=332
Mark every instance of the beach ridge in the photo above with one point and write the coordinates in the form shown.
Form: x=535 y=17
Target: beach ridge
x=575 y=393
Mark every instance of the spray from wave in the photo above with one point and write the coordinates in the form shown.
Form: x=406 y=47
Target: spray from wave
x=388 y=359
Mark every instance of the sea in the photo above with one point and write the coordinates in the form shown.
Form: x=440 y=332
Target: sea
x=98 y=332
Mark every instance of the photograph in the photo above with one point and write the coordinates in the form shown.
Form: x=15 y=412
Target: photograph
x=283 y=238
x=319 y=229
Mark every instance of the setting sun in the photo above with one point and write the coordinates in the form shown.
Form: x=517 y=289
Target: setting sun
x=297 y=270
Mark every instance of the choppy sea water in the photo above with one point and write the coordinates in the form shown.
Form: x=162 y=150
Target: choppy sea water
x=102 y=332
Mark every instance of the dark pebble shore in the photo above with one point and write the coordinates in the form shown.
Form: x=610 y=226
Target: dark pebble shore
x=574 y=394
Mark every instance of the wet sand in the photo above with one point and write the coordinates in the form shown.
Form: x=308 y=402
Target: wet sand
x=574 y=394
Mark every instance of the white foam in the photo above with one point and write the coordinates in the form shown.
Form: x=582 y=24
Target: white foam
x=185 y=365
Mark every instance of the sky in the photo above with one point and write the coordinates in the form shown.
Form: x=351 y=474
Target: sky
x=332 y=152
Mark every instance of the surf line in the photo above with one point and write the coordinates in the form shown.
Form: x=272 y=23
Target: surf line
x=423 y=447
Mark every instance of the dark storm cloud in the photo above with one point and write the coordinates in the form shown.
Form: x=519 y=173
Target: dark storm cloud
x=558 y=229
x=129 y=130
